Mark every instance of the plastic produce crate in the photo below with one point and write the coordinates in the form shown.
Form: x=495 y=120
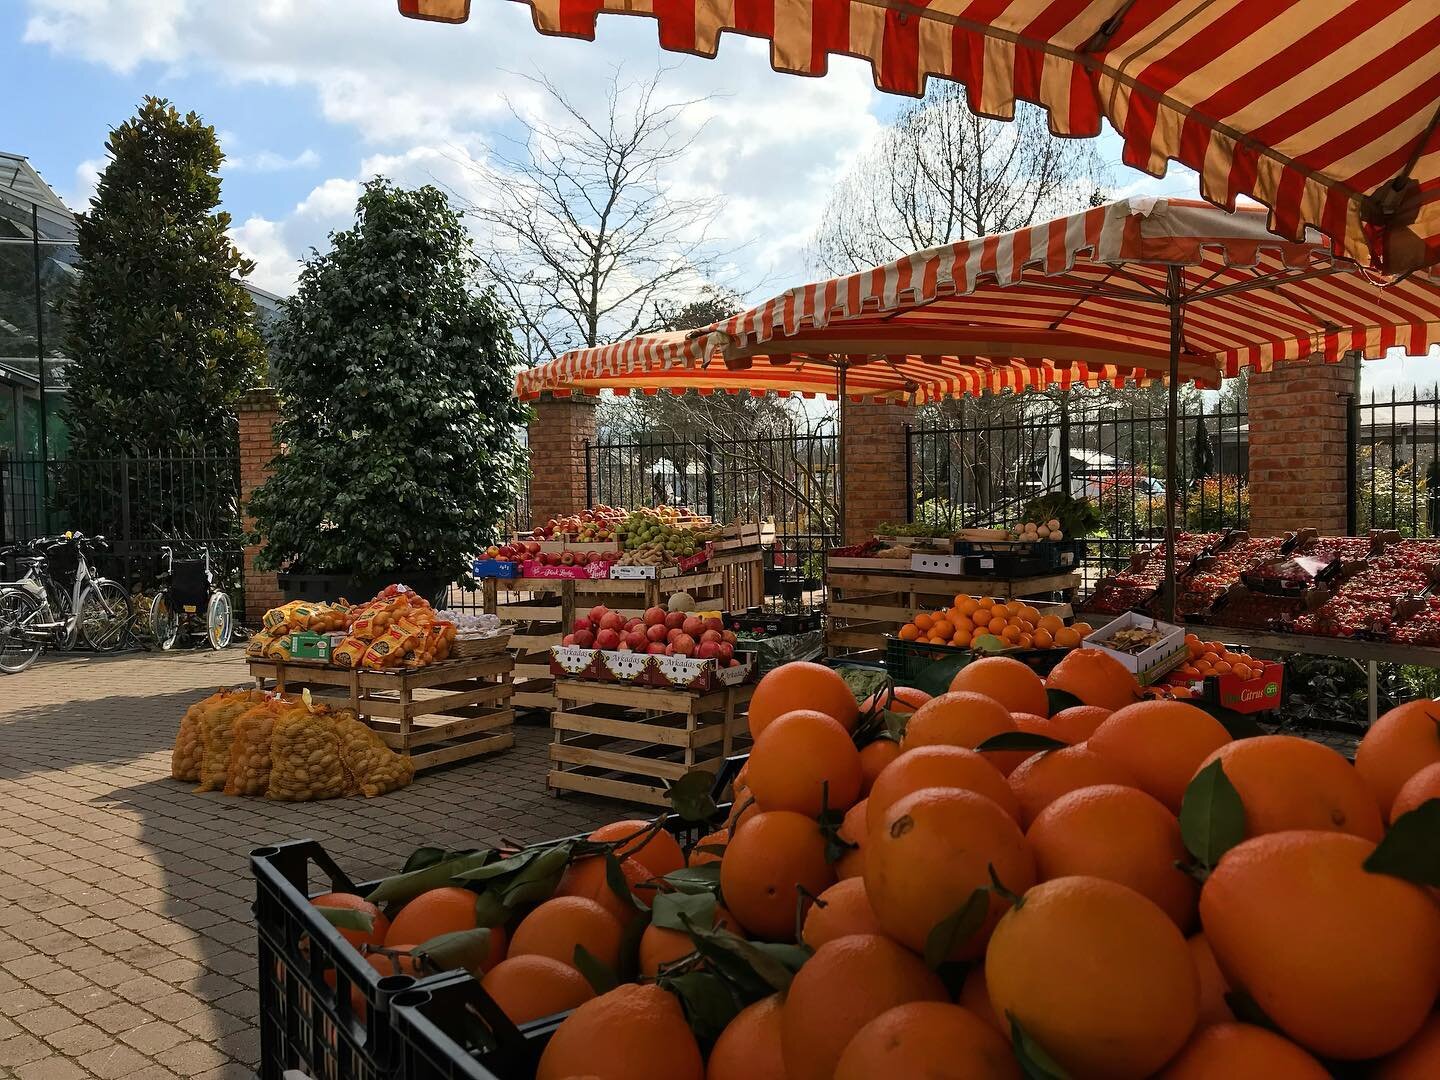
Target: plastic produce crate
x=1020 y=559
x=907 y=660
x=446 y=1030
x=308 y=1020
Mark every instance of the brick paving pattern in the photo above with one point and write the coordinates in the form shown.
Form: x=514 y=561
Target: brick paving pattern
x=126 y=940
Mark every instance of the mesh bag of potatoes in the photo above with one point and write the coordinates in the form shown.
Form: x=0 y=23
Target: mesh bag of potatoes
x=305 y=755
x=185 y=758
x=249 y=772
x=375 y=768
x=217 y=727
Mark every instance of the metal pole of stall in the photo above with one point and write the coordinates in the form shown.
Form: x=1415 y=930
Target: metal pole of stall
x=1174 y=301
x=844 y=435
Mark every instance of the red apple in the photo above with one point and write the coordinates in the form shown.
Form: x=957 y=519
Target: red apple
x=657 y=633
x=707 y=650
x=532 y=548
x=582 y=623
x=636 y=640
x=598 y=612
x=568 y=639
x=585 y=638
x=693 y=625
x=669 y=650
x=675 y=620
x=733 y=663
x=714 y=622
x=612 y=620
x=711 y=635
x=672 y=634
x=729 y=636
x=655 y=616
x=727 y=651
x=538 y=534
x=634 y=624
x=607 y=638
x=684 y=645
x=492 y=552
x=657 y=648
x=567 y=558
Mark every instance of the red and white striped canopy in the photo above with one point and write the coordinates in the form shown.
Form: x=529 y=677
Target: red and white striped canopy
x=1323 y=110
x=1081 y=300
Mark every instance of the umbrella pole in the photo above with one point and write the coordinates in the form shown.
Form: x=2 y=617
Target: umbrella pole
x=1172 y=408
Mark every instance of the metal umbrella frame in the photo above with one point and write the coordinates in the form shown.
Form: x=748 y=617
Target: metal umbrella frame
x=1135 y=290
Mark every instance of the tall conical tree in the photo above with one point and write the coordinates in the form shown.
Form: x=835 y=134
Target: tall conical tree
x=162 y=334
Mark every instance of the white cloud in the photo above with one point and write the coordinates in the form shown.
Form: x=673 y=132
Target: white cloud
x=270 y=161
x=429 y=99
x=87 y=175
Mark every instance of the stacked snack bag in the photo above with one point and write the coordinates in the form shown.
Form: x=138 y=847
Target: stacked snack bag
x=275 y=641
x=397 y=629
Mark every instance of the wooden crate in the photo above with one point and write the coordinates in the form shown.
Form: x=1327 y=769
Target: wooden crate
x=546 y=608
x=450 y=711
x=625 y=742
x=863 y=607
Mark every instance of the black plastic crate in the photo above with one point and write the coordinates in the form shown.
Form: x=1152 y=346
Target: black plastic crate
x=308 y=974
x=758 y=621
x=1020 y=559
x=453 y=1030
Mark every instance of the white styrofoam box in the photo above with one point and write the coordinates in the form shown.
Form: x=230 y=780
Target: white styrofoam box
x=937 y=564
x=632 y=573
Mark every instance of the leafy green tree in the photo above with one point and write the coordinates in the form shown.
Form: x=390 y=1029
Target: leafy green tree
x=398 y=414
x=160 y=330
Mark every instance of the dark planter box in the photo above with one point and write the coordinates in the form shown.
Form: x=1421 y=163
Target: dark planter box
x=357 y=588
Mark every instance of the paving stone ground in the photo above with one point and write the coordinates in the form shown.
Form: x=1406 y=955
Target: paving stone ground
x=127 y=948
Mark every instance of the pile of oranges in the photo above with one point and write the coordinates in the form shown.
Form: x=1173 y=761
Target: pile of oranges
x=1212 y=658
x=979 y=911
x=1017 y=624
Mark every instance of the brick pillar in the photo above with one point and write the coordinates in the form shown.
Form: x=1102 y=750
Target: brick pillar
x=557 y=455
x=1298 y=471
x=258 y=410
x=872 y=439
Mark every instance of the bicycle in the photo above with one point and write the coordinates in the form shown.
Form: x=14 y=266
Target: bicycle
x=36 y=613
x=186 y=584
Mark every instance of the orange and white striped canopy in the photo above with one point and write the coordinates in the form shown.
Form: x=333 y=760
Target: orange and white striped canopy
x=1325 y=111
x=1080 y=301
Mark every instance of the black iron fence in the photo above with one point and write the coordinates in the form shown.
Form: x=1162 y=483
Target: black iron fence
x=985 y=460
x=790 y=480
x=140 y=504
x=1395 y=454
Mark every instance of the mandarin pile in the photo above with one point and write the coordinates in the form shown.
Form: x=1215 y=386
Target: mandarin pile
x=1014 y=622
x=1064 y=898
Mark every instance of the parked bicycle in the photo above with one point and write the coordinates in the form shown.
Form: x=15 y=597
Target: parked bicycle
x=189 y=600
x=40 y=611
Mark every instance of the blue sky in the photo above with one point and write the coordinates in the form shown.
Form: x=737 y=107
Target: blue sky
x=311 y=97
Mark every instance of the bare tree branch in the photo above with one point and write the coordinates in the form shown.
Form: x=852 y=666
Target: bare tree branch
x=580 y=226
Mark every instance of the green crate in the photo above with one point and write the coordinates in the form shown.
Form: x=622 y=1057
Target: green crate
x=926 y=666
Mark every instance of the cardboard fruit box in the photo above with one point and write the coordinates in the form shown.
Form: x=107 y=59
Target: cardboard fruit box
x=1261 y=693
x=495 y=568
x=590 y=572
x=599 y=665
x=703 y=676
x=1150 y=663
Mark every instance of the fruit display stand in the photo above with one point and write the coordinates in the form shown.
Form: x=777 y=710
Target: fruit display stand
x=732 y=579
x=625 y=742
x=866 y=605
x=448 y=711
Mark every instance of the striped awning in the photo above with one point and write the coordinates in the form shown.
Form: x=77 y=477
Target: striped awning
x=1325 y=111
x=1080 y=301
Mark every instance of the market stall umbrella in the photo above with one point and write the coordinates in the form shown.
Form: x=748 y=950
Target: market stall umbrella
x=1169 y=288
x=1326 y=111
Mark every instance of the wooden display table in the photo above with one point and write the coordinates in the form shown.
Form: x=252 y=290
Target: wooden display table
x=448 y=711
x=545 y=608
x=866 y=605
x=624 y=742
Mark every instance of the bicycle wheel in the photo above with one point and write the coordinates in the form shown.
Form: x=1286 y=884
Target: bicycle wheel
x=219 y=620
x=18 y=650
x=164 y=623
x=104 y=615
